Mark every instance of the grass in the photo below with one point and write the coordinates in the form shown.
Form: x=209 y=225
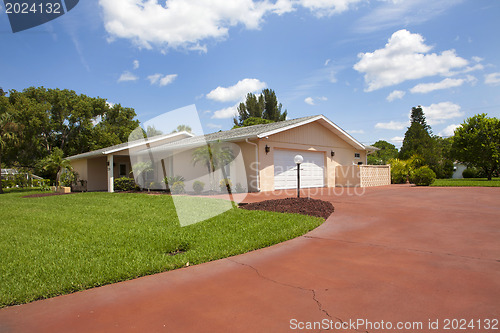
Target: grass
x=495 y=182
x=61 y=244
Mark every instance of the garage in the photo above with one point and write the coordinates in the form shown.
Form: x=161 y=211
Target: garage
x=285 y=170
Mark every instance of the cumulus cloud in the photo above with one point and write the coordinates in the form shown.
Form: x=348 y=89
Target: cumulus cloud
x=161 y=80
x=424 y=88
x=127 y=76
x=448 y=130
x=397 y=139
x=405 y=57
x=312 y=101
x=190 y=24
x=136 y=64
x=492 y=79
x=440 y=112
x=392 y=125
x=236 y=92
x=225 y=113
x=309 y=100
x=396 y=94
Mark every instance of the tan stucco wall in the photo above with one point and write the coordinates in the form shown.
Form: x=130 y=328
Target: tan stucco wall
x=97 y=174
x=309 y=137
x=80 y=166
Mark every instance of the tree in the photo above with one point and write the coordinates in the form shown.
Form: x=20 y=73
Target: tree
x=8 y=129
x=213 y=156
x=266 y=106
x=387 y=151
x=183 y=128
x=152 y=131
x=476 y=143
x=56 y=163
x=253 y=121
x=418 y=139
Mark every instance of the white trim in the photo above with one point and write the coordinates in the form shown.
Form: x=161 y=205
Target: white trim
x=353 y=142
x=146 y=141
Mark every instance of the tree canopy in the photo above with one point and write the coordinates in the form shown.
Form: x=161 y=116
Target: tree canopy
x=477 y=143
x=265 y=106
x=387 y=151
x=54 y=118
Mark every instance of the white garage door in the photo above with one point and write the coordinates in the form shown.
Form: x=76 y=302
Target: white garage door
x=285 y=170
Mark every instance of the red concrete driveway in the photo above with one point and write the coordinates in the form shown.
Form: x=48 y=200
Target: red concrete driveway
x=402 y=259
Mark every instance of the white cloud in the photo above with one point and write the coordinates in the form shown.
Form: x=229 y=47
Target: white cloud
x=397 y=12
x=162 y=80
x=424 y=88
x=327 y=61
x=396 y=94
x=309 y=100
x=236 y=92
x=356 y=131
x=405 y=57
x=136 y=64
x=191 y=24
x=127 y=76
x=229 y=112
x=477 y=59
x=215 y=126
x=492 y=79
x=397 y=139
x=440 y=112
x=448 y=130
x=392 y=125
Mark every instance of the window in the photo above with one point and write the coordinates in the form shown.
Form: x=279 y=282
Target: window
x=357 y=155
x=123 y=170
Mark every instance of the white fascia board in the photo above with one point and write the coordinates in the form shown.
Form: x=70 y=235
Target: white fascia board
x=145 y=141
x=346 y=135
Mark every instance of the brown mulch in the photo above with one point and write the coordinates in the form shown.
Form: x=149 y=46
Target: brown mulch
x=39 y=195
x=305 y=206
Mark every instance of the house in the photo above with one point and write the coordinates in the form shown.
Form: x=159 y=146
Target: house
x=458 y=169
x=262 y=158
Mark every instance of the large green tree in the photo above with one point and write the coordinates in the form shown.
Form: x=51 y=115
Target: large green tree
x=387 y=151
x=265 y=106
x=477 y=143
x=9 y=129
x=54 y=118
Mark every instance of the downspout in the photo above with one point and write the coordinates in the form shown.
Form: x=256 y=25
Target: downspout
x=257 y=160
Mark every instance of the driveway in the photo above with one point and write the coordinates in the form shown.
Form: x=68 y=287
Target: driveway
x=408 y=257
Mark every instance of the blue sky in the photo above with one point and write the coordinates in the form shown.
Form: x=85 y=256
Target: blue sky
x=362 y=63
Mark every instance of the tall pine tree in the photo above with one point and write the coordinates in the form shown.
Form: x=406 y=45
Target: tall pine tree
x=265 y=106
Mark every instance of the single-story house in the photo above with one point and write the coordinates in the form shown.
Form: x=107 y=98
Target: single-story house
x=261 y=158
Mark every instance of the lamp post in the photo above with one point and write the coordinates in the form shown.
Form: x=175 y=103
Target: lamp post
x=298 y=159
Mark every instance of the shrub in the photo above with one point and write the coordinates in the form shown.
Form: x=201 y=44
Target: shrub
x=423 y=176
x=177 y=188
x=399 y=170
x=198 y=186
x=473 y=173
x=125 y=184
x=239 y=188
x=225 y=185
x=68 y=178
x=8 y=183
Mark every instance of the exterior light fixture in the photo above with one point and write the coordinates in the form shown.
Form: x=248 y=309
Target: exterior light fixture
x=298 y=159
x=268 y=149
x=332 y=153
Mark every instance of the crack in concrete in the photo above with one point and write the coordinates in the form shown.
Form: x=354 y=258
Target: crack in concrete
x=403 y=248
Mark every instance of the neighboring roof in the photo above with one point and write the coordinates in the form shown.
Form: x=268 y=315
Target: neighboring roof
x=127 y=145
x=257 y=132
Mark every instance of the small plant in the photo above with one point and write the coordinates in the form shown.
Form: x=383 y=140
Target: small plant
x=239 y=188
x=198 y=186
x=225 y=185
x=423 y=176
x=177 y=188
x=169 y=181
x=68 y=177
x=125 y=184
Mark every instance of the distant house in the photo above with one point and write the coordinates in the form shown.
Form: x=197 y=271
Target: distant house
x=458 y=168
x=263 y=158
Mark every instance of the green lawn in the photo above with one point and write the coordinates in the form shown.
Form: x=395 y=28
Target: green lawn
x=495 y=182
x=60 y=244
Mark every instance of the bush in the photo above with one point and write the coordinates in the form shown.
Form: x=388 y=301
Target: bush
x=399 y=171
x=125 y=184
x=198 y=186
x=225 y=185
x=473 y=173
x=177 y=188
x=239 y=188
x=423 y=176
x=68 y=178
x=8 y=183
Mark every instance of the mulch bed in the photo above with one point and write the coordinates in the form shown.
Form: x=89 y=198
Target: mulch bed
x=305 y=206
x=39 y=195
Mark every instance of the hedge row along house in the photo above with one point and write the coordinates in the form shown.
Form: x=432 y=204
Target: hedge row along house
x=258 y=158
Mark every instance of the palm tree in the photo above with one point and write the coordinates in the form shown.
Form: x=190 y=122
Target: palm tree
x=56 y=162
x=213 y=156
x=8 y=130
